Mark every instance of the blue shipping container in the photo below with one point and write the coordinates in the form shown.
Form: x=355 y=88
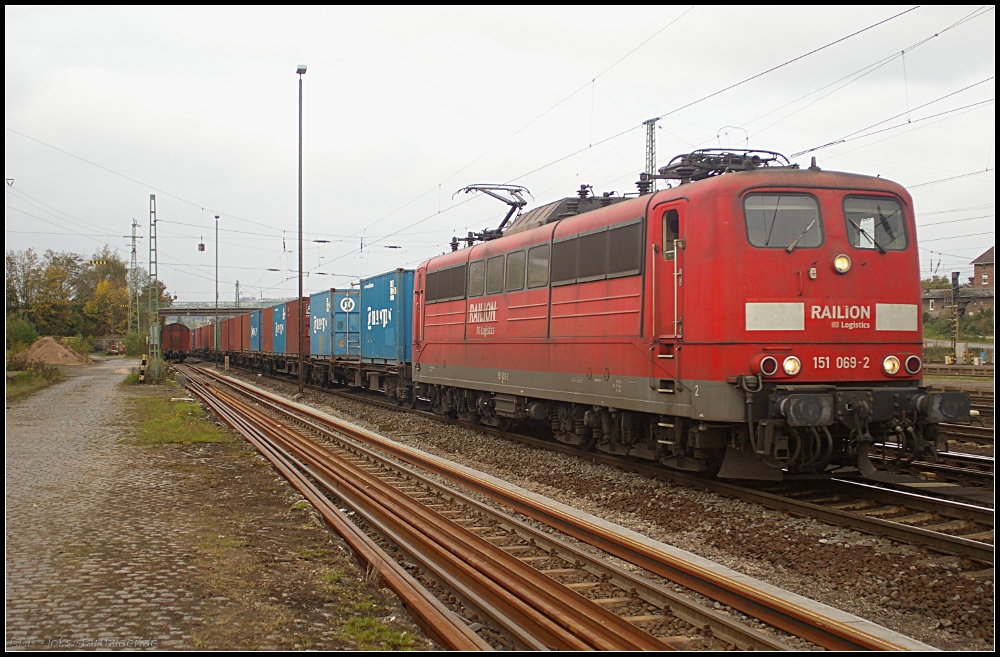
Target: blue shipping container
x=255 y=319
x=386 y=321
x=319 y=323
x=347 y=324
x=279 y=329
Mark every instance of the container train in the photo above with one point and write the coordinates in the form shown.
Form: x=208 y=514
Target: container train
x=756 y=321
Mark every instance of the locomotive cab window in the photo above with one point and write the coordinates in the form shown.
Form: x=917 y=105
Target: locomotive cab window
x=782 y=221
x=875 y=223
x=671 y=232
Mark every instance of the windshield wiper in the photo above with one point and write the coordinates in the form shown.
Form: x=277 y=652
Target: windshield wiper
x=871 y=239
x=801 y=235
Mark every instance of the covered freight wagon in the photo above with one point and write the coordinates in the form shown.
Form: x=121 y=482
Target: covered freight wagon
x=175 y=341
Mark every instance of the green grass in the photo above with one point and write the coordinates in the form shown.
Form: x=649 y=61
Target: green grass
x=372 y=634
x=165 y=421
x=31 y=380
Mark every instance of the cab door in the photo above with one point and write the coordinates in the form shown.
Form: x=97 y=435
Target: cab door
x=667 y=274
x=668 y=271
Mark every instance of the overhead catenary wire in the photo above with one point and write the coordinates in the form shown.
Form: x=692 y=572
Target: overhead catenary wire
x=131 y=179
x=851 y=136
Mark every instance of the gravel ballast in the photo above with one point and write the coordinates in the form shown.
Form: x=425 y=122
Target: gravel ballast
x=943 y=601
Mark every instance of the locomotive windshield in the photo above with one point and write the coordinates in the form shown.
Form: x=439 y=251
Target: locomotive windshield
x=875 y=223
x=783 y=220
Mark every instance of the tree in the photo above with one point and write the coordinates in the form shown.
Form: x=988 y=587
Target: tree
x=936 y=283
x=104 y=265
x=52 y=311
x=108 y=308
x=23 y=276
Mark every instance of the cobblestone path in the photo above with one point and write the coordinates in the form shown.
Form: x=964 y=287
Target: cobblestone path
x=78 y=567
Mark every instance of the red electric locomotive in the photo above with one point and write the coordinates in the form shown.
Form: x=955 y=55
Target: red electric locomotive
x=755 y=324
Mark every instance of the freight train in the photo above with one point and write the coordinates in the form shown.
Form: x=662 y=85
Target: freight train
x=755 y=321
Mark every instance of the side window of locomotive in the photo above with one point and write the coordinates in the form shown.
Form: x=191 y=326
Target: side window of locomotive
x=593 y=256
x=515 y=271
x=875 y=223
x=782 y=220
x=433 y=286
x=564 y=259
x=671 y=232
x=538 y=266
x=494 y=275
x=477 y=278
x=446 y=284
x=625 y=249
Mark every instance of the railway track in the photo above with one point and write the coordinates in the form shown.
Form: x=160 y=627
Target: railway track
x=530 y=609
x=972 y=371
x=969 y=433
x=948 y=539
x=774 y=610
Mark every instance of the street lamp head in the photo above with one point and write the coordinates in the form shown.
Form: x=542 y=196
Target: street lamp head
x=301 y=70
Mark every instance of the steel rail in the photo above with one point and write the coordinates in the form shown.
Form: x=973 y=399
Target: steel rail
x=969 y=433
x=558 y=616
x=948 y=543
x=789 y=617
x=482 y=563
x=437 y=621
x=686 y=609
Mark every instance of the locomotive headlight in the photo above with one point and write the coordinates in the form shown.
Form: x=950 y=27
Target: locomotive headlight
x=913 y=365
x=791 y=365
x=842 y=263
x=890 y=365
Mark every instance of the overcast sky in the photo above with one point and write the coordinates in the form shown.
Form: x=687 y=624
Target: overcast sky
x=404 y=106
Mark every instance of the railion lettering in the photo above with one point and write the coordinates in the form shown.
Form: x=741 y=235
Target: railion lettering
x=485 y=311
x=841 y=312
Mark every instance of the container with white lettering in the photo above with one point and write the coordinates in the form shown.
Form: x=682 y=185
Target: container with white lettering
x=346 y=314
x=279 y=329
x=386 y=318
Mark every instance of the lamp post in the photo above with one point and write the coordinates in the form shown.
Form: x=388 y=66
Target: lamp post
x=300 y=71
x=215 y=331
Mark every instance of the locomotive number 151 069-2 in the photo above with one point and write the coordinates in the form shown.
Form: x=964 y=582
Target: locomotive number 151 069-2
x=841 y=362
